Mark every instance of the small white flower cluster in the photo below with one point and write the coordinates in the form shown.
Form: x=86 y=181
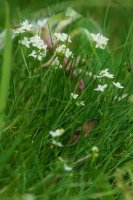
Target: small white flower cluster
x=62 y=37
x=78 y=103
x=39 y=48
x=55 y=134
x=66 y=166
x=74 y=96
x=99 y=40
x=105 y=74
x=118 y=85
x=62 y=49
x=101 y=88
x=24 y=27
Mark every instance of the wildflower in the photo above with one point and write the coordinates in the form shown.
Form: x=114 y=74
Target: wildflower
x=62 y=37
x=25 y=41
x=18 y=31
x=37 y=42
x=56 y=133
x=24 y=26
x=81 y=103
x=62 y=50
x=54 y=142
x=101 y=88
x=99 y=40
x=105 y=73
x=37 y=55
x=56 y=63
x=118 y=85
x=74 y=96
x=67 y=168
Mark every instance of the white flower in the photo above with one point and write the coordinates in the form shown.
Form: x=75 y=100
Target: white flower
x=99 y=40
x=54 y=142
x=42 y=22
x=62 y=50
x=68 y=53
x=101 y=88
x=37 y=42
x=18 y=31
x=81 y=103
x=56 y=133
x=62 y=37
x=74 y=96
x=24 y=26
x=25 y=41
x=105 y=73
x=37 y=55
x=118 y=85
x=56 y=63
x=67 y=168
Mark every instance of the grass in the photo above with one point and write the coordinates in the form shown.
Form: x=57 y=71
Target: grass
x=39 y=101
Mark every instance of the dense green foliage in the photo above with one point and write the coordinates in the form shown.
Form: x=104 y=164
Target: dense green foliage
x=39 y=101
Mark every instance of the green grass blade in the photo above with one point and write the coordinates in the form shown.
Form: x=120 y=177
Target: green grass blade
x=5 y=77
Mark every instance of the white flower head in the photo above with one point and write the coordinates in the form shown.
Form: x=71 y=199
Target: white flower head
x=67 y=168
x=56 y=63
x=62 y=50
x=105 y=73
x=99 y=40
x=25 y=41
x=37 y=55
x=101 y=88
x=37 y=42
x=74 y=96
x=118 y=85
x=62 y=37
x=18 y=31
x=24 y=26
x=54 y=142
x=56 y=133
